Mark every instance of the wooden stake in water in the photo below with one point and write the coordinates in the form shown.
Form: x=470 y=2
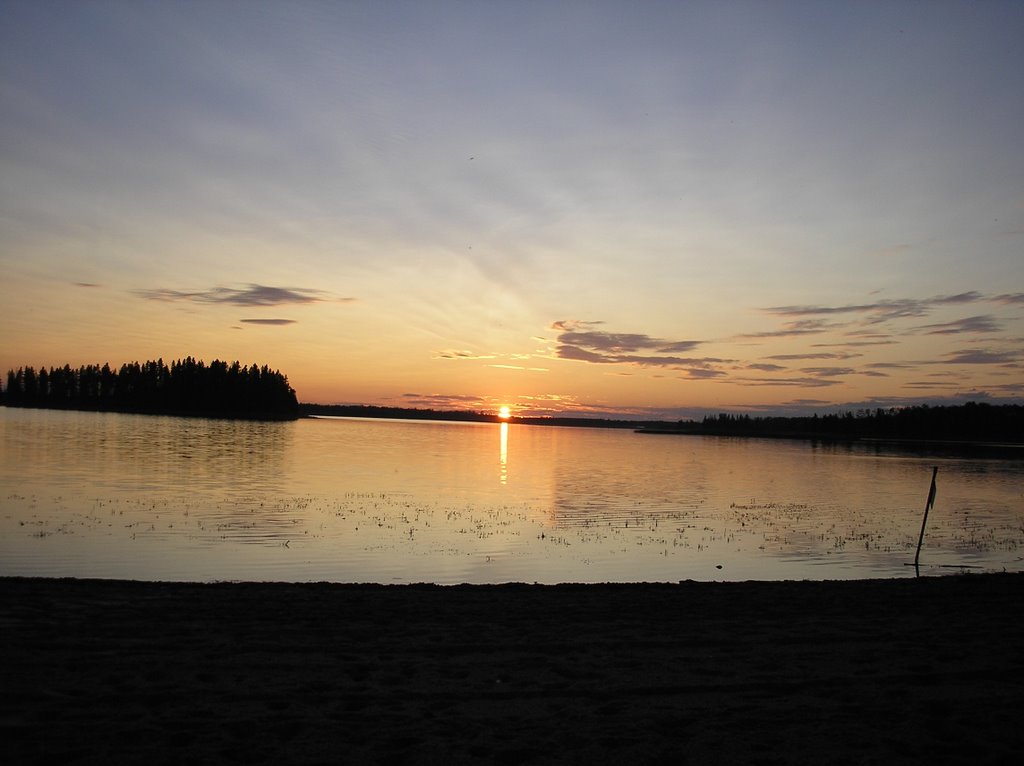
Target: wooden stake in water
x=924 y=522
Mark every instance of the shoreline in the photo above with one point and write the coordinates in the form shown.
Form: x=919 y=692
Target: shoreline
x=977 y=447
x=855 y=671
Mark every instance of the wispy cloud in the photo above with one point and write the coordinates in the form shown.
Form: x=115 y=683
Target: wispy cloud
x=452 y=353
x=892 y=365
x=827 y=372
x=250 y=296
x=931 y=385
x=616 y=343
x=843 y=333
x=704 y=373
x=578 y=341
x=810 y=382
x=518 y=367
x=1010 y=298
x=867 y=335
x=442 y=401
x=977 y=324
x=795 y=328
x=817 y=355
x=880 y=311
x=980 y=356
x=268 y=321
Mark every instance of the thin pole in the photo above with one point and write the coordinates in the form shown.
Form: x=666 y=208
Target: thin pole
x=924 y=521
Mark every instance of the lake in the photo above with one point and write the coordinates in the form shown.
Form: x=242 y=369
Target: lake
x=351 y=500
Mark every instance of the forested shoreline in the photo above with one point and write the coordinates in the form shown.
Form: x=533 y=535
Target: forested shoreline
x=223 y=389
x=461 y=416
x=185 y=387
x=970 y=422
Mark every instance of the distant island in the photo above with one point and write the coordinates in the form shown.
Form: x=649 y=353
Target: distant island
x=186 y=387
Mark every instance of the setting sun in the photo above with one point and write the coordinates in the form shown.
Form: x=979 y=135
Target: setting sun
x=504 y=412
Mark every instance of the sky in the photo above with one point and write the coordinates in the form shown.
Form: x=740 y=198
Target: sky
x=598 y=208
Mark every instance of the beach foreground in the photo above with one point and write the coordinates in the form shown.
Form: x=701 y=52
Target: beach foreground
x=878 y=671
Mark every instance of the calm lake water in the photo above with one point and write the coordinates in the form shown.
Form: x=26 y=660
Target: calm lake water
x=349 y=500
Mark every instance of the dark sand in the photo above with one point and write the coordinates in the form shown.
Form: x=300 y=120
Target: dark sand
x=887 y=672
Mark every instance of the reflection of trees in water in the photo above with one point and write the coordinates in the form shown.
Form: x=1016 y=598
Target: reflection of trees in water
x=144 y=453
x=156 y=478
x=237 y=455
x=164 y=454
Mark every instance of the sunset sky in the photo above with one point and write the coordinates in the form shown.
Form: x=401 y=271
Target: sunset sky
x=647 y=209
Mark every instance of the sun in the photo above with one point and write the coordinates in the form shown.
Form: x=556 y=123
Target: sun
x=504 y=412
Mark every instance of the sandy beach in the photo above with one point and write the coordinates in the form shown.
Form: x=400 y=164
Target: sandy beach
x=882 y=671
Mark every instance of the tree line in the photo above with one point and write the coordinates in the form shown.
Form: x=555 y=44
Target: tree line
x=972 y=421
x=186 y=387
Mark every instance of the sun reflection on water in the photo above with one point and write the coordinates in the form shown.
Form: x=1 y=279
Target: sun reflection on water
x=90 y=494
x=503 y=453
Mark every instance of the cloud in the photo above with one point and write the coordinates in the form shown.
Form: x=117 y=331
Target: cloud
x=703 y=373
x=795 y=328
x=812 y=319
x=980 y=356
x=855 y=344
x=609 y=342
x=787 y=382
x=672 y=361
x=518 y=367
x=86 y=284
x=828 y=372
x=582 y=355
x=818 y=355
x=865 y=335
x=981 y=323
x=268 y=321
x=930 y=385
x=578 y=341
x=572 y=324
x=442 y=401
x=892 y=365
x=880 y=311
x=971 y=296
x=461 y=354
x=253 y=295
x=843 y=331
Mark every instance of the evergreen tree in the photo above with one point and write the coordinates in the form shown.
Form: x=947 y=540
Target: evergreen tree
x=186 y=387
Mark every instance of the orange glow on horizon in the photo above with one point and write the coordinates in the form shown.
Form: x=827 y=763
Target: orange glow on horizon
x=504 y=412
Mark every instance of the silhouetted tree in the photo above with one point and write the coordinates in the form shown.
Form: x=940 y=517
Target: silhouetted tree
x=186 y=387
